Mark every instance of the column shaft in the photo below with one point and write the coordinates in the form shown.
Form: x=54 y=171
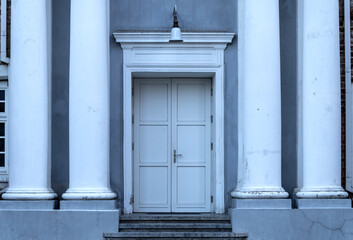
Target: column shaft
x=259 y=173
x=321 y=101
x=89 y=101
x=29 y=168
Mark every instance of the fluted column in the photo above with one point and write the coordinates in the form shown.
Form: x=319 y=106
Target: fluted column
x=259 y=170
x=29 y=168
x=321 y=101
x=89 y=101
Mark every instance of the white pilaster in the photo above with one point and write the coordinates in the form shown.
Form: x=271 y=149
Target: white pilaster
x=89 y=101
x=259 y=169
x=29 y=168
x=321 y=101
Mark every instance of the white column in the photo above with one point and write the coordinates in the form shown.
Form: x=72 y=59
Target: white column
x=89 y=101
x=29 y=167
x=321 y=101
x=259 y=170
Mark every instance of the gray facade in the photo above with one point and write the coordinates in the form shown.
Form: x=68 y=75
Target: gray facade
x=194 y=15
x=262 y=219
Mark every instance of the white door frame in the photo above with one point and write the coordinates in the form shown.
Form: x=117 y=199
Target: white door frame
x=151 y=55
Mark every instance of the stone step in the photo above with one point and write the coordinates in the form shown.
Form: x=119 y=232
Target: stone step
x=134 y=218
x=174 y=235
x=175 y=227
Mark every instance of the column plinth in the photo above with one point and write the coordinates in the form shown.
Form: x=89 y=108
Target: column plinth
x=29 y=168
x=259 y=170
x=89 y=101
x=321 y=101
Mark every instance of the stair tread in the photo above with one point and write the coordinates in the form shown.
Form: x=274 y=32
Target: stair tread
x=176 y=234
x=166 y=217
x=175 y=225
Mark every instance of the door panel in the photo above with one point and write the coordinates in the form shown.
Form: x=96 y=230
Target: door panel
x=172 y=115
x=191 y=143
x=191 y=192
x=153 y=149
x=191 y=104
x=153 y=100
x=153 y=186
x=152 y=140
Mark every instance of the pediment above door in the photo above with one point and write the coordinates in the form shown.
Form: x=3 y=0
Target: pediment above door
x=153 y=48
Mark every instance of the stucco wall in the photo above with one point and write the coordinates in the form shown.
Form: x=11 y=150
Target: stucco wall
x=148 y=15
x=294 y=224
x=59 y=225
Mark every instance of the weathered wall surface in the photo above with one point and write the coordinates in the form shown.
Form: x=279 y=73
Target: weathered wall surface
x=194 y=15
x=294 y=224
x=156 y=15
x=59 y=225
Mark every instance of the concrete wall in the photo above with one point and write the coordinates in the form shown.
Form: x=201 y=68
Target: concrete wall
x=156 y=15
x=59 y=225
x=294 y=224
x=194 y=15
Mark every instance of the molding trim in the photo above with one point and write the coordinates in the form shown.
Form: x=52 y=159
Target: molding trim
x=151 y=54
x=163 y=37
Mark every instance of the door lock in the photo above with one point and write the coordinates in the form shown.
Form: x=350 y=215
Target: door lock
x=176 y=155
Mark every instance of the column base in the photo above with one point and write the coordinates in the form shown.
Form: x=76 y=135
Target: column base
x=262 y=203
x=28 y=205
x=28 y=194
x=251 y=193
x=321 y=193
x=90 y=194
x=322 y=203
x=88 y=204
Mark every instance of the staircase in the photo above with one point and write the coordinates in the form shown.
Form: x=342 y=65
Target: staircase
x=175 y=226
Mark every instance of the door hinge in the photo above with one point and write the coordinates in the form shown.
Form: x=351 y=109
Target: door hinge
x=133 y=146
x=211 y=118
x=211 y=146
x=211 y=92
x=131 y=199
x=133 y=119
x=211 y=199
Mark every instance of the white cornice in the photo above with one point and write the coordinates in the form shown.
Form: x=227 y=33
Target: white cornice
x=163 y=37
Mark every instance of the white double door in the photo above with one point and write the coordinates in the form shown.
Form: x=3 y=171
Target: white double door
x=172 y=145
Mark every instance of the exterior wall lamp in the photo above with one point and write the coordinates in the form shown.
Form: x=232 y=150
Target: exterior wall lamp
x=175 y=34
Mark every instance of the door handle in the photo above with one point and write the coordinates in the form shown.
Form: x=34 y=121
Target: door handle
x=176 y=155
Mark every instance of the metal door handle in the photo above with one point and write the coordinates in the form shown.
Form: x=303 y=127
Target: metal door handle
x=176 y=155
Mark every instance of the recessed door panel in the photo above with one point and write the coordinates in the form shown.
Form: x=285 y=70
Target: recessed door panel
x=172 y=139
x=153 y=144
x=191 y=102
x=154 y=186
x=153 y=101
x=191 y=193
x=191 y=142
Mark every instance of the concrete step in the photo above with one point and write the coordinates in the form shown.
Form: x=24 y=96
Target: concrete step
x=175 y=227
x=174 y=235
x=173 y=218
